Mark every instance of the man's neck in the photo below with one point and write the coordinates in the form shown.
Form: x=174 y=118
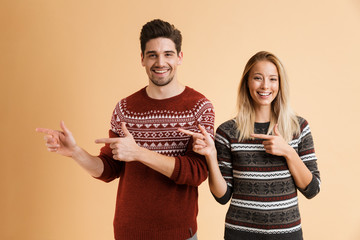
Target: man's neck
x=164 y=92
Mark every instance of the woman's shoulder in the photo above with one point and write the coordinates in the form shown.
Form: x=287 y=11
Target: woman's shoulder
x=229 y=123
x=302 y=122
x=229 y=128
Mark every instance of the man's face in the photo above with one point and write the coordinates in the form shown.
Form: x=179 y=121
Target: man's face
x=160 y=60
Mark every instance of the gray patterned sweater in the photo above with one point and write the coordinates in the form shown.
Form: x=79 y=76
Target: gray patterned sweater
x=264 y=203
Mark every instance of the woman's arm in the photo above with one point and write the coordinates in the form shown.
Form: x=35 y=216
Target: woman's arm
x=204 y=145
x=276 y=145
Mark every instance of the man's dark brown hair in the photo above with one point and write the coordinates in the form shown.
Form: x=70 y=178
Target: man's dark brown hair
x=159 y=28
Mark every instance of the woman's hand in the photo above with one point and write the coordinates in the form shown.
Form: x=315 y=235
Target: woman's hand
x=275 y=144
x=203 y=144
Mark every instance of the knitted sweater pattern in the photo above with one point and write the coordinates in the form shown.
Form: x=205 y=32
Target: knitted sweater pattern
x=264 y=203
x=150 y=205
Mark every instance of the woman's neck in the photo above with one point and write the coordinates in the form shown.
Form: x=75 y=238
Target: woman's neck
x=263 y=114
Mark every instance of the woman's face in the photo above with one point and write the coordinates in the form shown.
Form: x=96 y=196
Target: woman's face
x=263 y=83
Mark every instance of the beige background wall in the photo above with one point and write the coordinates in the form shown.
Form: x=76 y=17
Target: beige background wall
x=72 y=60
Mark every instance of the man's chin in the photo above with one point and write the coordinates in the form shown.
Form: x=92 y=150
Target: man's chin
x=161 y=83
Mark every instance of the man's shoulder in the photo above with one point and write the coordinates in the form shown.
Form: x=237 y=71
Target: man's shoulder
x=135 y=95
x=134 y=98
x=195 y=97
x=189 y=93
x=194 y=93
x=195 y=100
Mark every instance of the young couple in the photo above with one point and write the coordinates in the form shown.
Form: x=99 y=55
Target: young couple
x=161 y=148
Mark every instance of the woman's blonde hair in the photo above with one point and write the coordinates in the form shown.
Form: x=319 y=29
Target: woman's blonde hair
x=281 y=112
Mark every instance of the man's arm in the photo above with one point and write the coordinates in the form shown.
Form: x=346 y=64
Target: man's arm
x=125 y=149
x=63 y=143
x=192 y=168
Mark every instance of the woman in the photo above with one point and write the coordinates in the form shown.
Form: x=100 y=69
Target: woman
x=261 y=157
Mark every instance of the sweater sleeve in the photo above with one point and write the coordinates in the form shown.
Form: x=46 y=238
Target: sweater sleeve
x=227 y=196
x=112 y=167
x=306 y=152
x=191 y=168
x=222 y=144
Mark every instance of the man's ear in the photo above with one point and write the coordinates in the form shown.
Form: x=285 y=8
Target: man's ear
x=142 y=59
x=180 y=57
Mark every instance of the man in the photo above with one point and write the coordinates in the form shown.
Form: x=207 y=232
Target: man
x=158 y=171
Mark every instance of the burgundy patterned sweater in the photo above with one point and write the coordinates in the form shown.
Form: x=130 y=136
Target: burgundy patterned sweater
x=150 y=205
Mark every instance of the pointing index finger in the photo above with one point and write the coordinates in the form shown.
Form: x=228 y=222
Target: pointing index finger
x=45 y=130
x=106 y=140
x=262 y=136
x=187 y=132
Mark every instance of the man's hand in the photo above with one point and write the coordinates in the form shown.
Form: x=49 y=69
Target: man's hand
x=123 y=148
x=274 y=144
x=61 y=142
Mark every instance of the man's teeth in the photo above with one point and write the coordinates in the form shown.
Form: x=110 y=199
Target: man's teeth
x=160 y=71
x=264 y=94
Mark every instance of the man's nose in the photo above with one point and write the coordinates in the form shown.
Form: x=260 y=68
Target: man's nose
x=160 y=61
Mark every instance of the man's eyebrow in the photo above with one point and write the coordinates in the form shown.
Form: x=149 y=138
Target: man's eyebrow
x=150 y=52
x=154 y=52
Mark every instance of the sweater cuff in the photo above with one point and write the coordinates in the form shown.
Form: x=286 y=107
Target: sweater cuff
x=224 y=199
x=312 y=189
x=175 y=175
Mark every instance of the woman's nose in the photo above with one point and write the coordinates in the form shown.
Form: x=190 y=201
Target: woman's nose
x=265 y=84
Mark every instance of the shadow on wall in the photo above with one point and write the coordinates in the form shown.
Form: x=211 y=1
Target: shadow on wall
x=357 y=4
